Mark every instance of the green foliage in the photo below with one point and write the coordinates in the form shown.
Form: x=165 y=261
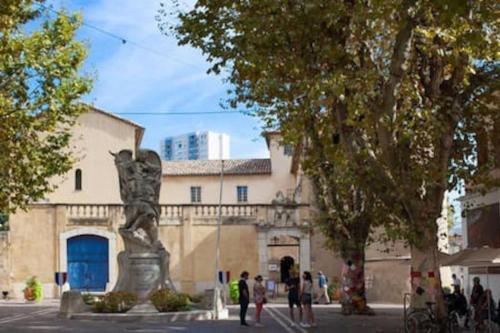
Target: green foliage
x=234 y=292
x=36 y=288
x=386 y=99
x=197 y=298
x=167 y=300
x=115 y=302
x=4 y=222
x=450 y=215
x=40 y=86
x=90 y=299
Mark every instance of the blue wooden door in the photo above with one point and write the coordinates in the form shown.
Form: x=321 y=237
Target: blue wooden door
x=88 y=263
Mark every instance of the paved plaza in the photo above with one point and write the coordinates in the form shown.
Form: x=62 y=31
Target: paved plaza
x=18 y=317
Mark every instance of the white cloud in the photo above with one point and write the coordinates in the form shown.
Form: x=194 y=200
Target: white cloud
x=127 y=72
x=132 y=79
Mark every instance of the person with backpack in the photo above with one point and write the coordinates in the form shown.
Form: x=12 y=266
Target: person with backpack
x=323 y=288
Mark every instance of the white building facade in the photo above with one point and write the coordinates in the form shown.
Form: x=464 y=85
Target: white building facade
x=205 y=145
x=481 y=227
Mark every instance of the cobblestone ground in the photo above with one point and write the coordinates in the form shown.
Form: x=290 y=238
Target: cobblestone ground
x=17 y=317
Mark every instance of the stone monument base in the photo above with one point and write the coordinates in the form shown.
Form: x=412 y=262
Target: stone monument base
x=72 y=302
x=146 y=317
x=142 y=273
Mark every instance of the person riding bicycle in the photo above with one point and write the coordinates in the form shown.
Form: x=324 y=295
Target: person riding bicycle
x=458 y=303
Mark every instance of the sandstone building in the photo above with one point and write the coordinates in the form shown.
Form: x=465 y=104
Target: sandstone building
x=267 y=221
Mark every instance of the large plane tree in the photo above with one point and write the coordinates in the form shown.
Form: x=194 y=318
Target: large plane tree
x=386 y=94
x=40 y=86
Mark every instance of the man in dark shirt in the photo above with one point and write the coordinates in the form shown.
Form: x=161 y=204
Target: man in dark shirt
x=244 y=297
x=293 y=288
x=475 y=297
x=457 y=303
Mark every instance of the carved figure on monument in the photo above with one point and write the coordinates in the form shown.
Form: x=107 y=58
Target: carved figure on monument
x=144 y=265
x=280 y=207
x=297 y=193
x=140 y=181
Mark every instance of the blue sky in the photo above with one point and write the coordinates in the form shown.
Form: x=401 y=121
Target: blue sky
x=131 y=79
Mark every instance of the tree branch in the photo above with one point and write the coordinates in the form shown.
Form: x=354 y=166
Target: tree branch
x=396 y=72
x=397 y=60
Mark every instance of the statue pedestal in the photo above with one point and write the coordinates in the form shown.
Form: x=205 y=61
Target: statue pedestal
x=142 y=273
x=144 y=265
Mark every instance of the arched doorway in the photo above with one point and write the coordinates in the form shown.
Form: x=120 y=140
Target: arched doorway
x=88 y=262
x=286 y=263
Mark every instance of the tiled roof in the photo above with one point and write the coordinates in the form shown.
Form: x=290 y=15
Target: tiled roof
x=212 y=167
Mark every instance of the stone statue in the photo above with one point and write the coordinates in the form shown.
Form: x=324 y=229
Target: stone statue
x=144 y=265
x=140 y=181
x=281 y=209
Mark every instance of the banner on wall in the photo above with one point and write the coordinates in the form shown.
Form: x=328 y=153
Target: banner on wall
x=61 y=278
x=224 y=277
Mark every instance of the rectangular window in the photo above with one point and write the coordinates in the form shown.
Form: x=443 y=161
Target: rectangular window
x=242 y=193
x=195 y=194
x=288 y=150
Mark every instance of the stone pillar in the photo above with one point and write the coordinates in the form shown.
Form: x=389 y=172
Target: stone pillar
x=186 y=262
x=263 y=260
x=305 y=253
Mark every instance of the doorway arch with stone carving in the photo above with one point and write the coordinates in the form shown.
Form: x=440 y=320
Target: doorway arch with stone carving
x=77 y=237
x=267 y=235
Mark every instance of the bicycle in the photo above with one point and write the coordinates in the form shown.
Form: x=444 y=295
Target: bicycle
x=425 y=321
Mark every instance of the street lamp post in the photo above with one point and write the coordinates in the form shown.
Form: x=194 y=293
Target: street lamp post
x=217 y=246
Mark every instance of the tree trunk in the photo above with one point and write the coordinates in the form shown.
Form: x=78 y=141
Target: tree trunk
x=426 y=277
x=353 y=296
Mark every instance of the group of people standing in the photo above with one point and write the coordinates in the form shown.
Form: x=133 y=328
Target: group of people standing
x=300 y=296
x=481 y=301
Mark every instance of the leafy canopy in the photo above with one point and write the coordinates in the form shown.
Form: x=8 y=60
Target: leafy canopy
x=40 y=86
x=394 y=92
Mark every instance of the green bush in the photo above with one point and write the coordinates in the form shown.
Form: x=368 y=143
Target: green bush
x=332 y=289
x=4 y=222
x=115 y=302
x=234 y=292
x=36 y=289
x=167 y=300
x=90 y=299
x=198 y=298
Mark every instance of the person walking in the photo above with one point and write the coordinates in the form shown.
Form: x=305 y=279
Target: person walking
x=486 y=308
x=323 y=288
x=475 y=298
x=259 y=295
x=244 y=297
x=456 y=283
x=292 y=286
x=459 y=305
x=306 y=299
